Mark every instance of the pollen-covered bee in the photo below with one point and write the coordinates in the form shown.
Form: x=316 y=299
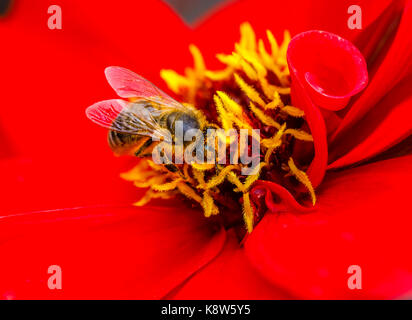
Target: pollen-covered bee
x=137 y=125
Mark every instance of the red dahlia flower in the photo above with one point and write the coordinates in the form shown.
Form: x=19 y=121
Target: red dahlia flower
x=62 y=203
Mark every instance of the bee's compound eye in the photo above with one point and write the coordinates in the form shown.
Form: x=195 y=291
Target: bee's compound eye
x=189 y=122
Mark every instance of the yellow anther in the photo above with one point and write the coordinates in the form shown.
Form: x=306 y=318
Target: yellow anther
x=265 y=56
x=203 y=166
x=199 y=63
x=283 y=90
x=273 y=43
x=233 y=179
x=219 y=75
x=230 y=112
x=230 y=104
x=224 y=117
x=230 y=60
x=267 y=120
x=208 y=205
x=253 y=59
x=248 y=215
x=166 y=186
x=249 y=91
x=249 y=70
x=284 y=47
x=216 y=180
x=147 y=183
x=188 y=192
x=267 y=88
x=299 y=134
x=293 y=111
x=302 y=177
x=139 y=172
x=150 y=194
x=247 y=37
x=276 y=101
x=156 y=167
x=199 y=176
x=276 y=140
x=174 y=81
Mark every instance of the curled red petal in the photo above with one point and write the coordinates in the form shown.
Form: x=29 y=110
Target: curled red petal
x=286 y=200
x=326 y=71
x=331 y=68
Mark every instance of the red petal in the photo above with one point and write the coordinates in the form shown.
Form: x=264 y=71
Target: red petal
x=50 y=183
x=362 y=218
x=294 y=15
x=229 y=276
x=395 y=66
x=384 y=126
x=104 y=253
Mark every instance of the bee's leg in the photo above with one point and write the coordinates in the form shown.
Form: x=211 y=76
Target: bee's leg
x=172 y=167
x=143 y=148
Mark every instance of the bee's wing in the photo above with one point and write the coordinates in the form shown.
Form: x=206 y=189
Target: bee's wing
x=126 y=117
x=128 y=84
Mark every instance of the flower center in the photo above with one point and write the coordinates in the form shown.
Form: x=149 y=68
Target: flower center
x=252 y=91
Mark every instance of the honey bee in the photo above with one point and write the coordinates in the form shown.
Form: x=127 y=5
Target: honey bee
x=149 y=115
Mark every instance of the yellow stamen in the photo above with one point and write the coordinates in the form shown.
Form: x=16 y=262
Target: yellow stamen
x=230 y=60
x=232 y=178
x=249 y=70
x=249 y=91
x=216 y=180
x=273 y=143
x=188 y=192
x=166 y=186
x=158 y=179
x=219 y=75
x=302 y=177
x=150 y=194
x=248 y=215
x=276 y=101
x=252 y=59
x=224 y=117
x=174 y=80
x=199 y=176
x=198 y=60
x=230 y=104
x=202 y=166
x=293 y=111
x=247 y=37
x=276 y=140
x=208 y=205
x=299 y=134
x=267 y=120
x=273 y=43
